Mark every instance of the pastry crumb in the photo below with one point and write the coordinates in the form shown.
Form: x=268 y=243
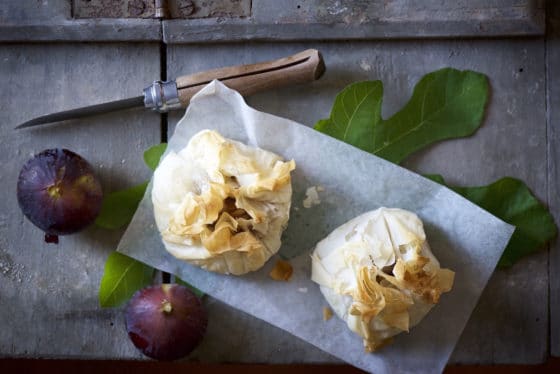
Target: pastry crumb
x=282 y=271
x=327 y=313
x=312 y=196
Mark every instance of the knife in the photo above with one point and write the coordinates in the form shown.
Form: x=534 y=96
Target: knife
x=163 y=96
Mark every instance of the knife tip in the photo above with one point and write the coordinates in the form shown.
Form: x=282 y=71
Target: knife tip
x=22 y=126
x=31 y=123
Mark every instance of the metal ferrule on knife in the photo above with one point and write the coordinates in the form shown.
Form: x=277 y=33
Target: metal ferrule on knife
x=162 y=96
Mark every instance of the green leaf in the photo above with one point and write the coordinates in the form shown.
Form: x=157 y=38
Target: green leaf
x=355 y=115
x=118 y=207
x=153 y=154
x=510 y=200
x=122 y=277
x=195 y=290
x=445 y=104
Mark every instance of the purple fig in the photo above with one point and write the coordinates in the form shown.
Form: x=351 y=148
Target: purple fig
x=59 y=193
x=165 y=322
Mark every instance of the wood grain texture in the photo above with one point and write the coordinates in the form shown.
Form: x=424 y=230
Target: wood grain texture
x=175 y=8
x=510 y=324
x=98 y=30
x=209 y=8
x=36 y=11
x=31 y=21
x=320 y=20
x=48 y=293
x=305 y=66
x=553 y=128
x=288 y=20
x=212 y=31
x=386 y=11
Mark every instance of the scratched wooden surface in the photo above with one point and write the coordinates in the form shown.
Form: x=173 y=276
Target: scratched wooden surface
x=48 y=294
x=51 y=20
x=290 y=20
x=287 y=20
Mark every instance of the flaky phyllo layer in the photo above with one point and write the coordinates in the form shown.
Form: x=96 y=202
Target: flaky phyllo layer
x=222 y=205
x=378 y=274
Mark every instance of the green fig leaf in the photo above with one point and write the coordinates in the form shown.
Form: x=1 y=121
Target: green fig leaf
x=122 y=277
x=445 y=104
x=511 y=200
x=118 y=207
x=153 y=154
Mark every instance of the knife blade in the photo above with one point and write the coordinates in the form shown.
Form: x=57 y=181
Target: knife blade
x=163 y=96
x=87 y=111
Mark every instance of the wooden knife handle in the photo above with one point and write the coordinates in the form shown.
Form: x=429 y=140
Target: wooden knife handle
x=302 y=67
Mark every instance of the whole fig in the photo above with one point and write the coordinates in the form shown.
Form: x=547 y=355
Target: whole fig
x=58 y=192
x=165 y=322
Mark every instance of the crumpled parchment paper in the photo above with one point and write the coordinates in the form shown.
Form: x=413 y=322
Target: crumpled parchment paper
x=464 y=238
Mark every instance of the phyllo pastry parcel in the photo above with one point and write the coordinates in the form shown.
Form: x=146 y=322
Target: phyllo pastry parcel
x=222 y=205
x=379 y=275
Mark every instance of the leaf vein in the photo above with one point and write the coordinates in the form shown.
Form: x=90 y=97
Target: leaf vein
x=420 y=124
x=350 y=121
x=118 y=282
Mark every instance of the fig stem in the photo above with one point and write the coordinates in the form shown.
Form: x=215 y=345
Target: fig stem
x=166 y=306
x=50 y=238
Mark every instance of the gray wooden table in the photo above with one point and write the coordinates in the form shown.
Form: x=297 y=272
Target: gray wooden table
x=48 y=294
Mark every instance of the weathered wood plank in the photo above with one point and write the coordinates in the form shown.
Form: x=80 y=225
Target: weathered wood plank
x=30 y=20
x=219 y=31
x=386 y=11
x=322 y=20
x=288 y=20
x=48 y=293
x=13 y=11
x=175 y=8
x=99 y=30
x=553 y=112
x=510 y=325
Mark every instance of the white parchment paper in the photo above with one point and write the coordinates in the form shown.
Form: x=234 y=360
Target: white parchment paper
x=463 y=237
